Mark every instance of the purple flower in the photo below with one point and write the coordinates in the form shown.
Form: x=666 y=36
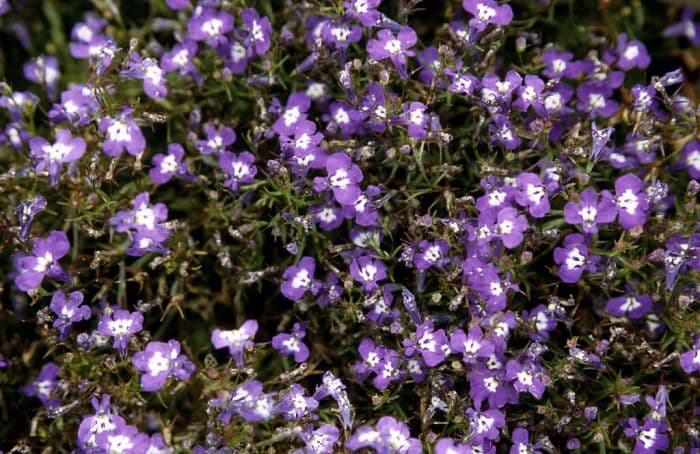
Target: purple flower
x=495 y=92
x=432 y=254
x=248 y=401
x=295 y=404
x=690 y=360
x=121 y=325
x=159 y=361
x=633 y=54
x=291 y=344
x=50 y=157
x=347 y=119
x=122 y=133
x=300 y=278
x=588 y=212
x=525 y=378
x=334 y=387
x=503 y=131
x=180 y=59
x=124 y=440
x=529 y=94
x=485 y=424
x=388 y=436
x=364 y=10
x=239 y=167
x=510 y=227
x=148 y=70
x=236 y=340
x=304 y=147
x=690 y=158
x=211 y=26
x=43 y=71
x=394 y=47
x=319 y=441
x=431 y=344
x=295 y=111
x=25 y=213
x=559 y=64
x=343 y=179
x=415 y=118
x=43 y=261
x=78 y=104
x=649 y=438
x=68 y=311
x=144 y=223
x=594 y=99
x=44 y=385
x=102 y=421
x=259 y=31
x=167 y=166
x=685 y=27
x=368 y=272
x=533 y=194
x=573 y=258
x=217 y=139
x=472 y=345
x=521 y=443
x=87 y=38
x=487 y=12
x=631 y=201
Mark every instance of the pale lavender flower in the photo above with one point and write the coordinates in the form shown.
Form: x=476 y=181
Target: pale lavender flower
x=122 y=133
x=167 y=166
x=51 y=157
x=259 y=32
x=44 y=71
x=236 y=340
x=487 y=12
x=588 y=212
x=298 y=279
x=291 y=344
x=102 y=421
x=388 y=436
x=319 y=441
x=148 y=70
x=159 y=361
x=43 y=261
x=124 y=440
x=211 y=26
x=44 y=385
x=121 y=325
x=68 y=311
x=218 y=139
x=239 y=167
x=394 y=47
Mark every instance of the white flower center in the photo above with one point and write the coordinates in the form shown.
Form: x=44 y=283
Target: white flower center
x=213 y=26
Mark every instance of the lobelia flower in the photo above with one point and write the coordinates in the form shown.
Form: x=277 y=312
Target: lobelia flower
x=293 y=113
x=43 y=261
x=51 y=157
x=588 y=212
x=249 y=402
x=180 y=59
x=573 y=258
x=291 y=344
x=295 y=404
x=533 y=194
x=217 y=139
x=485 y=425
x=585 y=358
x=690 y=158
x=690 y=360
x=25 y=213
x=148 y=70
x=600 y=141
x=462 y=83
x=87 y=38
x=299 y=279
x=345 y=118
x=157 y=445
x=364 y=10
x=102 y=421
x=510 y=227
x=43 y=71
x=236 y=340
x=559 y=64
x=211 y=26
x=319 y=441
x=495 y=92
x=525 y=378
x=680 y=254
x=259 y=32
x=685 y=27
x=239 y=167
x=649 y=438
x=343 y=178
x=122 y=133
x=177 y=4
x=78 y=104
x=504 y=132
x=144 y=223
x=388 y=436
x=594 y=99
x=432 y=254
x=529 y=94
x=124 y=440
x=633 y=54
x=159 y=361
x=334 y=387
x=643 y=98
x=431 y=344
x=167 y=166
x=68 y=311
x=368 y=272
x=121 y=325
x=631 y=201
x=363 y=210
x=393 y=47
x=44 y=385
x=521 y=443
x=415 y=119
x=487 y=12
x=339 y=34
x=472 y=346
x=328 y=216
